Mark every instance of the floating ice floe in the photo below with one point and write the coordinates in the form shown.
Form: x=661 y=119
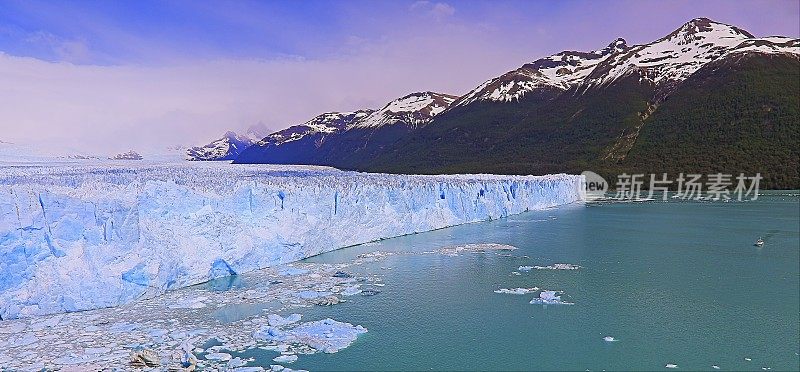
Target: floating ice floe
x=219 y=356
x=558 y=266
x=525 y=268
x=290 y=358
x=309 y=295
x=715 y=366
x=474 y=248
x=290 y=271
x=276 y=320
x=748 y=359
x=235 y=363
x=549 y=298
x=154 y=330
x=670 y=365
x=516 y=291
x=327 y=335
x=609 y=339
x=351 y=290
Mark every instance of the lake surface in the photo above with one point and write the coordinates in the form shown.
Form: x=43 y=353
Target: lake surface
x=674 y=282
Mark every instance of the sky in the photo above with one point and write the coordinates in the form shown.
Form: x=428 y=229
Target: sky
x=100 y=77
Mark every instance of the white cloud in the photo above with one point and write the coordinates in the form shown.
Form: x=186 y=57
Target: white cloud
x=107 y=109
x=433 y=9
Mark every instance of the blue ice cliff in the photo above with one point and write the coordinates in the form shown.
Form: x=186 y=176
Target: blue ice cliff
x=83 y=237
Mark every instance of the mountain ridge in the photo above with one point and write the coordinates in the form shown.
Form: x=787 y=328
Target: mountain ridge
x=574 y=110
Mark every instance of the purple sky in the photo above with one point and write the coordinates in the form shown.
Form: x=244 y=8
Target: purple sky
x=109 y=76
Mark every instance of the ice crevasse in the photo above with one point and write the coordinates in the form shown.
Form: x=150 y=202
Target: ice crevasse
x=83 y=237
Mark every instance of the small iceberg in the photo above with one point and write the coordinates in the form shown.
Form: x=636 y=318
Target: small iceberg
x=525 y=268
x=516 y=291
x=609 y=339
x=558 y=266
x=352 y=290
x=291 y=271
x=310 y=295
x=370 y=292
x=327 y=335
x=670 y=365
x=219 y=356
x=276 y=320
x=285 y=358
x=549 y=298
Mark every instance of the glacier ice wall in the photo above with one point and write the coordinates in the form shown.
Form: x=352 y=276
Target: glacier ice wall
x=82 y=237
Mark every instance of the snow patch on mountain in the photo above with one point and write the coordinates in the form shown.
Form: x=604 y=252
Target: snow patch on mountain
x=226 y=148
x=327 y=123
x=413 y=110
x=559 y=71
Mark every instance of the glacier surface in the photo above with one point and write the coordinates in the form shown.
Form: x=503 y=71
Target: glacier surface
x=83 y=236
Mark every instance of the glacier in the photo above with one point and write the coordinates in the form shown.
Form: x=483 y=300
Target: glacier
x=77 y=236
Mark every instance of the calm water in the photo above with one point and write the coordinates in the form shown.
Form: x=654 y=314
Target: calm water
x=675 y=282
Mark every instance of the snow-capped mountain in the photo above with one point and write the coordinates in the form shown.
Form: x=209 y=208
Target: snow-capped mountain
x=226 y=148
x=666 y=61
x=130 y=155
x=705 y=89
x=678 y=55
x=322 y=125
x=332 y=137
x=413 y=110
x=559 y=71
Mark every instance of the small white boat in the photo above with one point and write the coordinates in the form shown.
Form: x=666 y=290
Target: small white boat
x=759 y=242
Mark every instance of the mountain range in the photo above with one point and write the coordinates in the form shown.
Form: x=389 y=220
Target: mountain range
x=706 y=98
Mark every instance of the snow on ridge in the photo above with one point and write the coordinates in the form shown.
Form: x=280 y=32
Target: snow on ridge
x=414 y=109
x=327 y=123
x=226 y=148
x=559 y=71
x=672 y=58
x=84 y=237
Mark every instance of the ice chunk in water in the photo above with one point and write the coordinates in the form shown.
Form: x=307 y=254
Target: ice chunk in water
x=549 y=298
x=285 y=358
x=516 y=291
x=327 y=335
x=309 y=295
x=276 y=320
x=352 y=290
x=292 y=271
x=218 y=356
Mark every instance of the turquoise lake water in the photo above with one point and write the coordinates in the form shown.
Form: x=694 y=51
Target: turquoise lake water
x=675 y=282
